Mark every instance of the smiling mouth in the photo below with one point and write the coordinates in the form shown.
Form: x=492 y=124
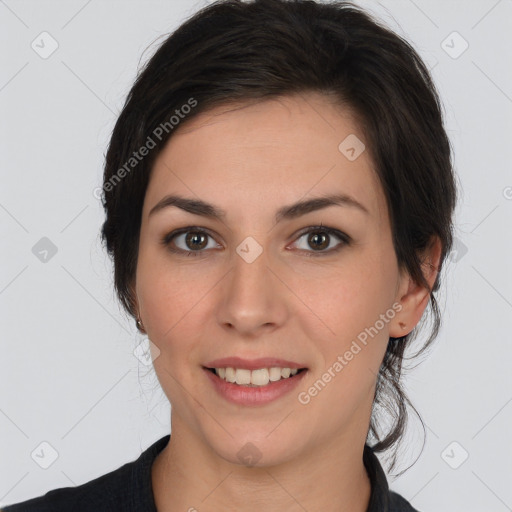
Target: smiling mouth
x=256 y=378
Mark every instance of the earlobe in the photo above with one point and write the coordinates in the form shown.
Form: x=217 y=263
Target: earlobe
x=414 y=297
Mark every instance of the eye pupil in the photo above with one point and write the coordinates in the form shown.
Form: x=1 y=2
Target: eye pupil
x=315 y=237
x=193 y=237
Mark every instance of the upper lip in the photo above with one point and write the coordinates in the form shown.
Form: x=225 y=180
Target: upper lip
x=253 y=364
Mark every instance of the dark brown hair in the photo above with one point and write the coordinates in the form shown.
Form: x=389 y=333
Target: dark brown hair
x=234 y=51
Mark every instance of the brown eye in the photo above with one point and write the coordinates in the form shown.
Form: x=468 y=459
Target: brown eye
x=321 y=241
x=318 y=240
x=189 y=241
x=196 y=240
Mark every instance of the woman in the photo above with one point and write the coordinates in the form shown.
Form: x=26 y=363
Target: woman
x=279 y=195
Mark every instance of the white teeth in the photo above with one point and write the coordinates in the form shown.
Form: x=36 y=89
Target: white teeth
x=230 y=374
x=275 y=374
x=243 y=376
x=260 y=377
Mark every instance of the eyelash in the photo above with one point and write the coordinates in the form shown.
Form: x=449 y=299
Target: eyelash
x=344 y=238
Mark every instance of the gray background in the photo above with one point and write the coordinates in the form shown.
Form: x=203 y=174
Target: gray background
x=69 y=376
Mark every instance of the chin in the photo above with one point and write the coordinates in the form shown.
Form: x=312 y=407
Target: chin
x=258 y=451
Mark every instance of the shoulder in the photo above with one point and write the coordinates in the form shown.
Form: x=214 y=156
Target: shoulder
x=399 y=504
x=98 y=493
x=127 y=488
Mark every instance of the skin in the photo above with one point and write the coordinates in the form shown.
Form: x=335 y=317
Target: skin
x=250 y=161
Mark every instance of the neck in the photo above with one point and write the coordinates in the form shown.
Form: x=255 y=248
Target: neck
x=188 y=475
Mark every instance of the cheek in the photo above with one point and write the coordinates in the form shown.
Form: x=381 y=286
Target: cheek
x=178 y=300
x=169 y=309
x=344 y=298
x=166 y=292
x=347 y=329
x=353 y=346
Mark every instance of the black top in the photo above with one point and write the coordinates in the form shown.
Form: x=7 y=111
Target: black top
x=128 y=489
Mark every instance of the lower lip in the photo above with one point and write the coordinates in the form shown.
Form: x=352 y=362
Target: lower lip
x=249 y=396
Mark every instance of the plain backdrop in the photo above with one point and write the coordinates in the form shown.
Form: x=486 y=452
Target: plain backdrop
x=71 y=384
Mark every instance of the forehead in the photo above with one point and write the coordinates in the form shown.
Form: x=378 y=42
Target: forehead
x=290 y=147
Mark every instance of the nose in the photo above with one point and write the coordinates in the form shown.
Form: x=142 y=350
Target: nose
x=253 y=299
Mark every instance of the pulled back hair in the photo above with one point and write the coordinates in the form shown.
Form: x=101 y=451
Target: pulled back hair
x=236 y=51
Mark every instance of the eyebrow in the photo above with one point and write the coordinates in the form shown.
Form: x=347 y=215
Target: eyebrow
x=199 y=207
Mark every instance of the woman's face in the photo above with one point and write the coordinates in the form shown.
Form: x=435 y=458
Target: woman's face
x=252 y=287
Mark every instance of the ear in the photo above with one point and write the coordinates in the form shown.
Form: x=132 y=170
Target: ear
x=412 y=296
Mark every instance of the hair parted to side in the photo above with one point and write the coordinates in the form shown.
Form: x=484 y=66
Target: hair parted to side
x=233 y=51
